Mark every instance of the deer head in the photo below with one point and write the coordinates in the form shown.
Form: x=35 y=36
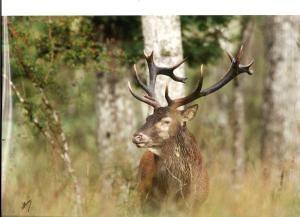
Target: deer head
x=166 y=122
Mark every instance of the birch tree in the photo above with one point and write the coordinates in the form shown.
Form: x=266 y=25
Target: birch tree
x=6 y=106
x=116 y=121
x=239 y=125
x=238 y=130
x=281 y=108
x=162 y=35
x=115 y=125
x=42 y=113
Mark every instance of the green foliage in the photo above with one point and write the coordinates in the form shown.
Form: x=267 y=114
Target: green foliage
x=201 y=37
x=56 y=53
x=47 y=43
x=51 y=53
x=62 y=54
x=125 y=29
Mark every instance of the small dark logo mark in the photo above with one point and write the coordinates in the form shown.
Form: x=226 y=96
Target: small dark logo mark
x=27 y=205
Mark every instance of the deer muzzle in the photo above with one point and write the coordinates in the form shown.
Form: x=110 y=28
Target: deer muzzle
x=141 y=140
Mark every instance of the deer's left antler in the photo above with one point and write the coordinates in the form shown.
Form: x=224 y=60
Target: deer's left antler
x=154 y=70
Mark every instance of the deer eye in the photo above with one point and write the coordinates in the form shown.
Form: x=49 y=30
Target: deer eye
x=166 y=120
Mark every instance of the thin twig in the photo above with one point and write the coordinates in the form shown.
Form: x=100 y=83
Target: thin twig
x=65 y=149
x=62 y=143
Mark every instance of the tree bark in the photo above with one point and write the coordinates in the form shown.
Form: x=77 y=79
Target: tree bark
x=56 y=137
x=237 y=116
x=281 y=108
x=238 y=130
x=115 y=125
x=6 y=106
x=162 y=34
x=239 y=122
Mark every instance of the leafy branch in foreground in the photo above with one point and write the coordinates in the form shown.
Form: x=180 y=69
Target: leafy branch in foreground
x=56 y=138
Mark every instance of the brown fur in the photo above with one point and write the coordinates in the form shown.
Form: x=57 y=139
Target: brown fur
x=178 y=172
x=175 y=168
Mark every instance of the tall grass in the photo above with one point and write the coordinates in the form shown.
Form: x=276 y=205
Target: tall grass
x=39 y=178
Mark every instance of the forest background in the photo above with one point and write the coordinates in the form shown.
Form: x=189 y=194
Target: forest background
x=70 y=150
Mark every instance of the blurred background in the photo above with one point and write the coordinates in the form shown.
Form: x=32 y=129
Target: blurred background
x=68 y=116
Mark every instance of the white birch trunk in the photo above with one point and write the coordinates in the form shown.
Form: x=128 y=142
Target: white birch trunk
x=239 y=128
x=162 y=34
x=238 y=131
x=238 y=102
x=115 y=126
x=281 y=109
x=6 y=106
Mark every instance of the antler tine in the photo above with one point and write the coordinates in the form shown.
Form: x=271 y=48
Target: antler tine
x=170 y=71
x=235 y=69
x=194 y=95
x=148 y=100
x=149 y=89
x=230 y=56
x=240 y=52
x=150 y=97
x=246 y=68
x=154 y=70
x=152 y=73
x=242 y=68
x=148 y=56
x=140 y=81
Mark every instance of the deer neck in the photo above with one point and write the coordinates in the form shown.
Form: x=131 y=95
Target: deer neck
x=178 y=140
x=176 y=160
x=179 y=148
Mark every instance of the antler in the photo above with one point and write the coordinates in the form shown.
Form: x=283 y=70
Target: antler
x=235 y=69
x=154 y=70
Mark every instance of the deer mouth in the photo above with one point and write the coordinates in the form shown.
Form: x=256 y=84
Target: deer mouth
x=142 y=141
x=143 y=144
x=147 y=145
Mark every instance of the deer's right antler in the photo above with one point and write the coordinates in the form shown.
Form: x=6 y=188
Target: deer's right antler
x=154 y=70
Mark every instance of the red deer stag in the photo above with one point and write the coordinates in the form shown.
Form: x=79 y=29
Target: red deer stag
x=173 y=166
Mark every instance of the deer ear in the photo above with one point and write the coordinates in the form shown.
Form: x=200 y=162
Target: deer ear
x=189 y=113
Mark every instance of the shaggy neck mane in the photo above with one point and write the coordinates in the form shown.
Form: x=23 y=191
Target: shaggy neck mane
x=182 y=145
x=177 y=155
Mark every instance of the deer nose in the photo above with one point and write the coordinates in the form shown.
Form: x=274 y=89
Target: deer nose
x=140 y=139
